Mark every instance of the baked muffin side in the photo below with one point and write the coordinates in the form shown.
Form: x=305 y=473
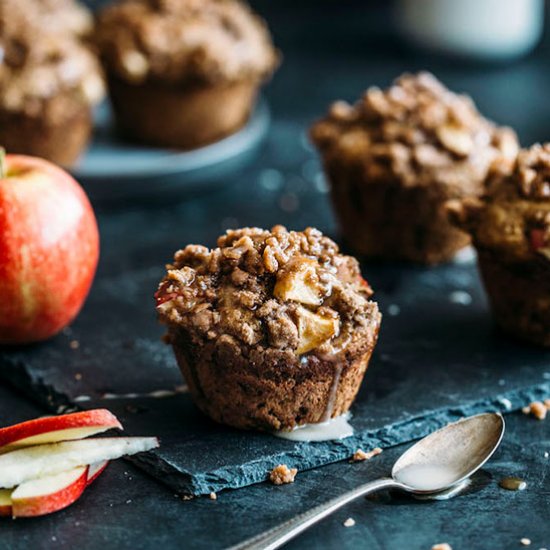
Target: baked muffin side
x=183 y=73
x=510 y=227
x=49 y=83
x=395 y=157
x=272 y=329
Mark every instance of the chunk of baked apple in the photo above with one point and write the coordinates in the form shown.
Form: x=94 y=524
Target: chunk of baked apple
x=299 y=282
x=314 y=329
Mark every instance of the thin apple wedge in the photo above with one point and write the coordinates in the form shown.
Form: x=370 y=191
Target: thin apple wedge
x=95 y=470
x=48 y=494
x=52 y=429
x=5 y=502
x=17 y=467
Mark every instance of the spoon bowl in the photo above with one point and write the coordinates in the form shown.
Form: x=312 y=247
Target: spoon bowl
x=449 y=455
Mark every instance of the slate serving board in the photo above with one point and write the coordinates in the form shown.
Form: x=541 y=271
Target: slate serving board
x=438 y=358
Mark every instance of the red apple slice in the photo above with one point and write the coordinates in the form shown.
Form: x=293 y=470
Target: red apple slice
x=45 y=495
x=29 y=463
x=52 y=429
x=5 y=502
x=95 y=470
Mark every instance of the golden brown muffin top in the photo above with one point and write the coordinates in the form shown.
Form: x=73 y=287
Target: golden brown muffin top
x=39 y=65
x=60 y=15
x=417 y=132
x=513 y=216
x=280 y=289
x=177 y=41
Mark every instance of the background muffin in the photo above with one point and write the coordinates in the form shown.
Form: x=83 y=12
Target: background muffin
x=396 y=156
x=183 y=73
x=49 y=83
x=510 y=227
x=271 y=329
x=61 y=16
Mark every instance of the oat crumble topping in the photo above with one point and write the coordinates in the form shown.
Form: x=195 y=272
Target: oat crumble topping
x=416 y=132
x=282 y=474
x=184 y=40
x=272 y=292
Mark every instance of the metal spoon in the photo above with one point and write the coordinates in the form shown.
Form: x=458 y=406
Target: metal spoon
x=437 y=463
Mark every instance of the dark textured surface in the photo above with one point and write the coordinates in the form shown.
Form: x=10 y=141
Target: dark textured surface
x=434 y=355
x=438 y=358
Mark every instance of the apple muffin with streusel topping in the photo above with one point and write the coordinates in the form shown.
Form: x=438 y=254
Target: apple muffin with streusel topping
x=395 y=157
x=271 y=329
x=510 y=227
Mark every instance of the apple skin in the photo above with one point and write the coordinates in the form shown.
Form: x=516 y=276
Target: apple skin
x=49 y=249
x=5 y=502
x=61 y=495
x=51 y=429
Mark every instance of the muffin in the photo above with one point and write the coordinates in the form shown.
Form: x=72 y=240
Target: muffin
x=510 y=228
x=271 y=329
x=61 y=16
x=394 y=159
x=183 y=73
x=49 y=83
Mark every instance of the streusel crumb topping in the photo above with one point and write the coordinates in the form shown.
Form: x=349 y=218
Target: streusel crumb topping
x=513 y=216
x=280 y=289
x=178 y=41
x=415 y=132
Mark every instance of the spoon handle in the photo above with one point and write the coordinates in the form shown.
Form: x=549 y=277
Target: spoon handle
x=281 y=534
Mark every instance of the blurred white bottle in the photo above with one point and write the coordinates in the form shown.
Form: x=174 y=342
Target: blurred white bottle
x=483 y=29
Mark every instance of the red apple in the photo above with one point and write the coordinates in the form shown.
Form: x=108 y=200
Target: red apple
x=52 y=429
x=95 y=470
x=39 y=497
x=49 y=248
x=5 y=502
x=17 y=467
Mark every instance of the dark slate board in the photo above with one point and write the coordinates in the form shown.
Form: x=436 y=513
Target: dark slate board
x=439 y=358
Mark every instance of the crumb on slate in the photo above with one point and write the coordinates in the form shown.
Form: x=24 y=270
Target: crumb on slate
x=187 y=497
x=74 y=344
x=525 y=541
x=442 y=546
x=282 y=474
x=350 y=522
x=538 y=409
x=78 y=376
x=359 y=455
x=213 y=496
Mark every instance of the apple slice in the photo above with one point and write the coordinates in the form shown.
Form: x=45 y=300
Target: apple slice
x=95 y=470
x=5 y=502
x=51 y=429
x=45 y=495
x=314 y=329
x=299 y=283
x=29 y=463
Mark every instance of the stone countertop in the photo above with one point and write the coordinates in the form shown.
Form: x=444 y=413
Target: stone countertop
x=336 y=55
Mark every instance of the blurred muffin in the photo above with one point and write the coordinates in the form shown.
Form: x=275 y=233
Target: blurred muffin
x=61 y=16
x=49 y=83
x=396 y=156
x=271 y=329
x=183 y=73
x=510 y=227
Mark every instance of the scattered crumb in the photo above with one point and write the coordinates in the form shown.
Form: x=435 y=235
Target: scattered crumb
x=187 y=497
x=537 y=409
x=525 y=541
x=350 y=522
x=74 y=344
x=546 y=454
x=359 y=455
x=442 y=546
x=213 y=496
x=547 y=403
x=282 y=474
x=78 y=376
